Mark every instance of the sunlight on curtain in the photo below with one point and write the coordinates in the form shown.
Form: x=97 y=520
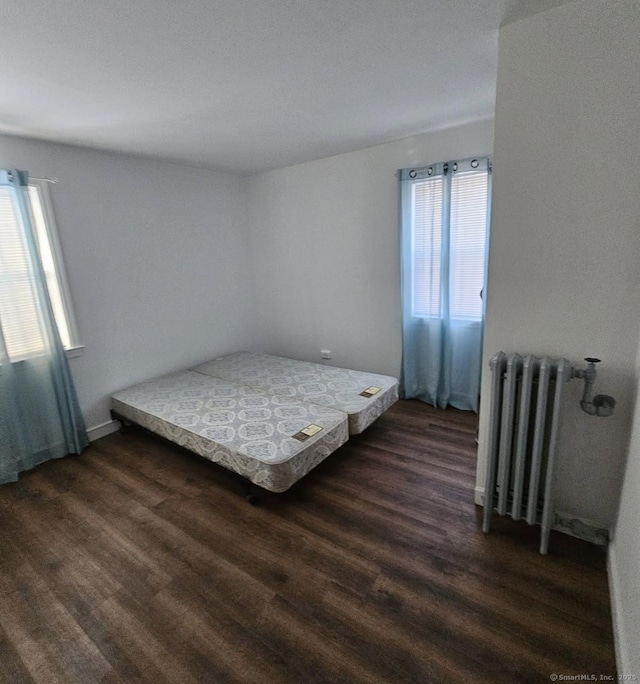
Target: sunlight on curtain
x=39 y=414
x=444 y=237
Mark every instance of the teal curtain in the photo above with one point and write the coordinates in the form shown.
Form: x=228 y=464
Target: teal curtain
x=444 y=216
x=39 y=414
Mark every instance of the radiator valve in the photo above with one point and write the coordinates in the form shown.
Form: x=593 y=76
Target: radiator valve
x=602 y=404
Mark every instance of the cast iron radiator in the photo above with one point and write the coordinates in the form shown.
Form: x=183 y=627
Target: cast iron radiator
x=525 y=412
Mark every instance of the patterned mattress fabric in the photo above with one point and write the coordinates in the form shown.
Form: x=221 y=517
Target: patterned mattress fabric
x=240 y=427
x=337 y=388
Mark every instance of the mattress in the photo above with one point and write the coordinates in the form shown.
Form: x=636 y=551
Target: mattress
x=240 y=427
x=337 y=388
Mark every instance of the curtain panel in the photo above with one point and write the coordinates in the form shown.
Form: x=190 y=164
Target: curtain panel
x=40 y=417
x=444 y=218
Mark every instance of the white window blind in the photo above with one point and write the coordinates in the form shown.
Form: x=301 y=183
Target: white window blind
x=467 y=244
x=427 y=245
x=19 y=310
x=449 y=239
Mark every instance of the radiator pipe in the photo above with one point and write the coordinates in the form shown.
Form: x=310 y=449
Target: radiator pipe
x=602 y=404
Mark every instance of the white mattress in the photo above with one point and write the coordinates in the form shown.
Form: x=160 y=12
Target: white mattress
x=240 y=427
x=337 y=388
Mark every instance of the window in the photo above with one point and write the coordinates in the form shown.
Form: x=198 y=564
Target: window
x=19 y=315
x=443 y=246
x=449 y=240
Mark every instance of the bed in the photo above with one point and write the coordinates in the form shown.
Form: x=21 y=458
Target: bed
x=362 y=396
x=267 y=418
x=270 y=440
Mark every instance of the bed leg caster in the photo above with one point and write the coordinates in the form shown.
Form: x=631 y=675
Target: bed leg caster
x=124 y=423
x=252 y=494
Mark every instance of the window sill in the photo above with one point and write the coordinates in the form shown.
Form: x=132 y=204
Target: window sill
x=72 y=352
x=460 y=321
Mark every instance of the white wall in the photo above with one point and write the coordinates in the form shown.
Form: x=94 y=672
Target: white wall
x=624 y=555
x=325 y=239
x=159 y=257
x=564 y=268
x=157 y=260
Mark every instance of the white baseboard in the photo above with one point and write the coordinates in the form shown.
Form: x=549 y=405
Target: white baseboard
x=102 y=430
x=478 y=496
x=567 y=523
x=623 y=660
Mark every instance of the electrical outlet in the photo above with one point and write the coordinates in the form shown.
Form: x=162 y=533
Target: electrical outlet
x=325 y=353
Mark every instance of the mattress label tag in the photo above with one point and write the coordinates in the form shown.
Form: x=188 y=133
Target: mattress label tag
x=307 y=432
x=370 y=391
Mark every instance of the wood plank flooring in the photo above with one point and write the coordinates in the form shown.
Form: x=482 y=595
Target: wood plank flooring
x=140 y=562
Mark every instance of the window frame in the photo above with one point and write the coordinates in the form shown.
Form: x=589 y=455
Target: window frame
x=414 y=181
x=41 y=185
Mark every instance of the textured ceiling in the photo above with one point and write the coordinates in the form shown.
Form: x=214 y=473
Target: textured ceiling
x=247 y=86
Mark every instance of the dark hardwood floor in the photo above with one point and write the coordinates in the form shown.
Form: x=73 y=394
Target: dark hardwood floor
x=140 y=562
